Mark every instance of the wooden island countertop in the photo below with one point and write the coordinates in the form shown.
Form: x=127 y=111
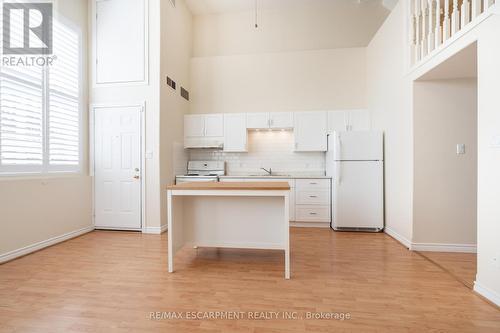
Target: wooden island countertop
x=238 y=186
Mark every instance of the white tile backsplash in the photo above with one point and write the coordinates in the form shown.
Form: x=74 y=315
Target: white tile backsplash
x=266 y=149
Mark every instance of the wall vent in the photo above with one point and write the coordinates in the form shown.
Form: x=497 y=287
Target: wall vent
x=185 y=93
x=171 y=83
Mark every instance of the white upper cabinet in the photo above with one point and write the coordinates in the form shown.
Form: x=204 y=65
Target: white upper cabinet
x=281 y=120
x=235 y=132
x=266 y=120
x=258 y=120
x=310 y=131
x=194 y=125
x=120 y=42
x=359 y=120
x=203 y=131
x=214 y=125
x=349 y=120
x=337 y=121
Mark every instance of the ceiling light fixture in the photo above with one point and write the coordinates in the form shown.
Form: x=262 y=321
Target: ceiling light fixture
x=256 y=25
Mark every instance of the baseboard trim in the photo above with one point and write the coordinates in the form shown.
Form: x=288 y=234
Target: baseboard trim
x=310 y=224
x=43 y=244
x=155 y=230
x=487 y=293
x=398 y=237
x=439 y=247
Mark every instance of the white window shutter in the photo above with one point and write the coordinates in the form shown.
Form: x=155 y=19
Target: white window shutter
x=40 y=109
x=64 y=101
x=21 y=114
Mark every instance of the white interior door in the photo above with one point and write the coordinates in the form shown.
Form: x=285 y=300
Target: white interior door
x=117 y=167
x=358 y=195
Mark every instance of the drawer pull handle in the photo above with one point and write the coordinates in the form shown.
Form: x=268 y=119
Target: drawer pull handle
x=313 y=196
x=312 y=213
x=313 y=183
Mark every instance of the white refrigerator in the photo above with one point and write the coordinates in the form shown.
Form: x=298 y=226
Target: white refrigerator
x=355 y=161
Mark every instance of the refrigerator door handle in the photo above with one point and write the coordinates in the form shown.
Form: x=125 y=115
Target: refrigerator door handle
x=338 y=172
x=338 y=148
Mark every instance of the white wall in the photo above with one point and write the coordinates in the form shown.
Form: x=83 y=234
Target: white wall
x=389 y=101
x=305 y=80
x=149 y=94
x=488 y=214
x=294 y=27
x=445 y=184
x=266 y=149
x=36 y=209
x=176 y=50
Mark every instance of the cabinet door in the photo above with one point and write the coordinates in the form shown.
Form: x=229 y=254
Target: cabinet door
x=359 y=120
x=337 y=121
x=258 y=120
x=214 y=125
x=281 y=120
x=235 y=132
x=194 y=125
x=120 y=59
x=310 y=131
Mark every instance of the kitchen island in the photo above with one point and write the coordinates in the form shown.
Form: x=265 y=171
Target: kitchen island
x=247 y=215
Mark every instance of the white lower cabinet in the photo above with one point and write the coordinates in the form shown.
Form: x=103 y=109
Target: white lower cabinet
x=291 y=183
x=309 y=198
x=312 y=213
x=312 y=200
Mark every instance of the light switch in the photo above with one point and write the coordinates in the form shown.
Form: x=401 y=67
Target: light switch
x=460 y=149
x=495 y=141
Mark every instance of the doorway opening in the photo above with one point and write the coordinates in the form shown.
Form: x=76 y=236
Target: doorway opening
x=445 y=165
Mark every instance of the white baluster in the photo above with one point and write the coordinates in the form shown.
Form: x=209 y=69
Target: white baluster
x=417 y=31
x=430 y=38
x=455 y=18
x=476 y=9
x=437 y=33
x=465 y=13
x=446 y=20
x=412 y=36
x=487 y=4
x=424 y=28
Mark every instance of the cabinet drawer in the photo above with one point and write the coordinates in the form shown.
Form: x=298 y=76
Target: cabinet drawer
x=308 y=213
x=313 y=197
x=312 y=183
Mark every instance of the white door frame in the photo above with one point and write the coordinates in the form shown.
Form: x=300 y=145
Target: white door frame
x=142 y=106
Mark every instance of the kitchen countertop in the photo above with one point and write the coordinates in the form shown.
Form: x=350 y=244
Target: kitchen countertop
x=277 y=177
x=243 y=186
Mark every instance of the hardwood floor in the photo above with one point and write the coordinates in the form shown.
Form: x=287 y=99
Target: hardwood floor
x=462 y=266
x=112 y=281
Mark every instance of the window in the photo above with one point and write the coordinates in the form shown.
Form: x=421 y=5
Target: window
x=40 y=118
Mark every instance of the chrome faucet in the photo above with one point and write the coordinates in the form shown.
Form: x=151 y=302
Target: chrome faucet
x=270 y=171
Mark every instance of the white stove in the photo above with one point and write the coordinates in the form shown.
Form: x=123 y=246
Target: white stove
x=202 y=171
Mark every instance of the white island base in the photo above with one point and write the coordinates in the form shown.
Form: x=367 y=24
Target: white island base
x=229 y=215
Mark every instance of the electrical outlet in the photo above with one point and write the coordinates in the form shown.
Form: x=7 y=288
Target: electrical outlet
x=496 y=261
x=495 y=141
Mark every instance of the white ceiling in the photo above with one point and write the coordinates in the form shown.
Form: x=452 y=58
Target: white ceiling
x=202 y=7
x=461 y=65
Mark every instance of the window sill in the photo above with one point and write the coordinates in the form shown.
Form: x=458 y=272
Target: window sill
x=38 y=176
